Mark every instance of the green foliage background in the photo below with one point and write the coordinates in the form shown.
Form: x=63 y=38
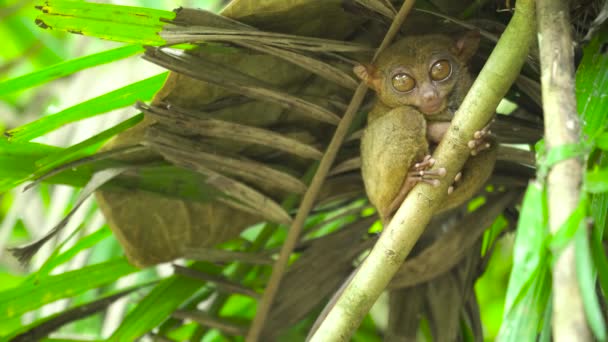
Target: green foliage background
x=90 y=265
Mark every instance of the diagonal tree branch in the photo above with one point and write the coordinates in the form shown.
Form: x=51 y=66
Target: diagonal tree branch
x=564 y=178
x=409 y=222
x=311 y=194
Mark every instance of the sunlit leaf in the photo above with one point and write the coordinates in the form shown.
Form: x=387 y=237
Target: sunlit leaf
x=119 y=98
x=119 y=23
x=33 y=294
x=158 y=305
x=66 y=68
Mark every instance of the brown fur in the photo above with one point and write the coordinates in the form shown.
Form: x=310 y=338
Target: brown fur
x=397 y=135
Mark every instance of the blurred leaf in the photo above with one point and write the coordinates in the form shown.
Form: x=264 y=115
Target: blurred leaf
x=16 y=148
x=158 y=305
x=545 y=332
x=591 y=92
x=66 y=68
x=566 y=232
x=43 y=290
x=602 y=141
x=69 y=340
x=592 y=85
x=599 y=210
x=239 y=306
x=596 y=181
x=119 y=23
x=522 y=322
x=17 y=160
x=83 y=243
x=567 y=151
x=586 y=280
x=529 y=252
x=368 y=332
x=529 y=283
x=119 y=98
x=15 y=170
x=48 y=158
x=25 y=253
x=44 y=326
x=163 y=179
x=24 y=32
x=183 y=333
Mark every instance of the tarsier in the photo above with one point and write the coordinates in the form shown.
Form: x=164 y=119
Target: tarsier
x=420 y=82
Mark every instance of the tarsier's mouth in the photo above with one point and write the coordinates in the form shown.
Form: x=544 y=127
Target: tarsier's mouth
x=432 y=108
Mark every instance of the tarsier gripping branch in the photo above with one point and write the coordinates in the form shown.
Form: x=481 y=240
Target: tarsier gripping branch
x=420 y=82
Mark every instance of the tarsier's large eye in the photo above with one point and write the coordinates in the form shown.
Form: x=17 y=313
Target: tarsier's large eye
x=403 y=82
x=441 y=70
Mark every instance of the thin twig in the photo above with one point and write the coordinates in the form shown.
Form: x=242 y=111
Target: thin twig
x=315 y=186
x=408 y=224
x=220 y=282
x=564 y=179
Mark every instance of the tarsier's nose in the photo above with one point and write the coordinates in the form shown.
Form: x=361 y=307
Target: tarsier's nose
x=431 y=103
x=429 y=95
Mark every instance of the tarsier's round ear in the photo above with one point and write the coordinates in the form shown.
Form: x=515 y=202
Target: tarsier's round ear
x=467 y=44
x=368 y=74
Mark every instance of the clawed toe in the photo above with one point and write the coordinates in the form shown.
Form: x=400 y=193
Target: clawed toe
x=427 y=174
x=433 y=182
x=458 y=177
x=426 y=163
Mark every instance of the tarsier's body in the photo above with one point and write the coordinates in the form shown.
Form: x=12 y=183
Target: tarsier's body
x=420 y=81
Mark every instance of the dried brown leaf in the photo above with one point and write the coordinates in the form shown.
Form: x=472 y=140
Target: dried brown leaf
x=346 y=166
x=215 y=255
x=191 y=124
x=168 y=144
x=235 y=81
x=322 y=268
x=447 y=252
x=237 y=195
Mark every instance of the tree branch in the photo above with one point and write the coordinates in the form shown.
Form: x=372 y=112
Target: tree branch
x=409 y=222
x=564 y=179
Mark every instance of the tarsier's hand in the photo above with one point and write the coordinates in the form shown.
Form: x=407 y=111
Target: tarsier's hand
x=419 y=172
x=481 y=140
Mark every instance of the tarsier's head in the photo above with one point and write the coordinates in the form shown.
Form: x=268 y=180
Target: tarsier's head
x=420 y=71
